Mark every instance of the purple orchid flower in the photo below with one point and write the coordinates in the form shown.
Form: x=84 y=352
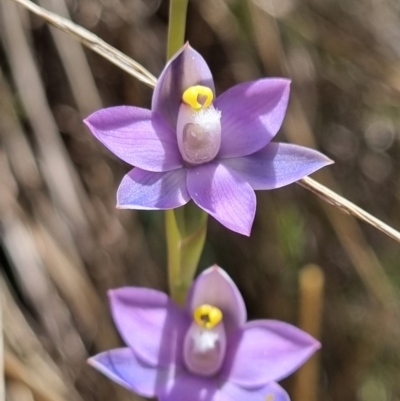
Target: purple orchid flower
x=203 y=352
x=189 y=146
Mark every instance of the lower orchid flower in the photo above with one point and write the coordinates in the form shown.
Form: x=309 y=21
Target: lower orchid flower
x=205 y=351
x=191 y=145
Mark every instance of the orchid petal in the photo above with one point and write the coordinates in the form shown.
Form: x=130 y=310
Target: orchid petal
x=265 y=351
x=214 y=287
x=187 y=68
x=122 y=366
x=150 y=323
x=277 y=165
x=187 y=387
x=137 y=136
x=269 y=392
x=251 y=115
x=223 y=194
x=191 y=388
x=145 y=190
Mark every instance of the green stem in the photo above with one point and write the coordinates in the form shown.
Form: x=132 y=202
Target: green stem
x=177 y=26
x=185 y=227
x=173 y=251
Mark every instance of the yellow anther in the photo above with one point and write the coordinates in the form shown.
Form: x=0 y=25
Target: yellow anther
x=191 y=95
x=269 y=397
x=207 y=316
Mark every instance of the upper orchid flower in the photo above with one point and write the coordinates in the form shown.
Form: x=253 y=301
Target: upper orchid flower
x=203 y=352
x=191 y=145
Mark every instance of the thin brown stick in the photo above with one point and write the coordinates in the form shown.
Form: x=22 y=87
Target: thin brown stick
x=347 y=207
x=75 y=63
x=93 y=42
x=132 y=67
x=298 y=130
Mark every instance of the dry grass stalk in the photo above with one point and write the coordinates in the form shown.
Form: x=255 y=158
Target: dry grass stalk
x=138 y=71
x=17 y=391
x=298 y=130
x=56 y=167
x=25 y=359
x=75 y=63
x=93 y=42
x=311 y=288
x=16 y=370
x=348 y=207
x=2 y=389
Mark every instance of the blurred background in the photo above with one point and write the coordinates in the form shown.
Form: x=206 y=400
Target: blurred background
x=63 y=243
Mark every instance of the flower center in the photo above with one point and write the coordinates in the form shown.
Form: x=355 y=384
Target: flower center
x=207 y=316
x=191 y=96
x=205 y=341
x=198 y=126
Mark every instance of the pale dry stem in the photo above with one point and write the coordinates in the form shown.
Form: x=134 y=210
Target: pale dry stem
x=311 y=293
x=93 y=42
x=132 y=67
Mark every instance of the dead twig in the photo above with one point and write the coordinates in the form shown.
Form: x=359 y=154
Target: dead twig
x=347 y=207
x=132 y=67
x=93 y=42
